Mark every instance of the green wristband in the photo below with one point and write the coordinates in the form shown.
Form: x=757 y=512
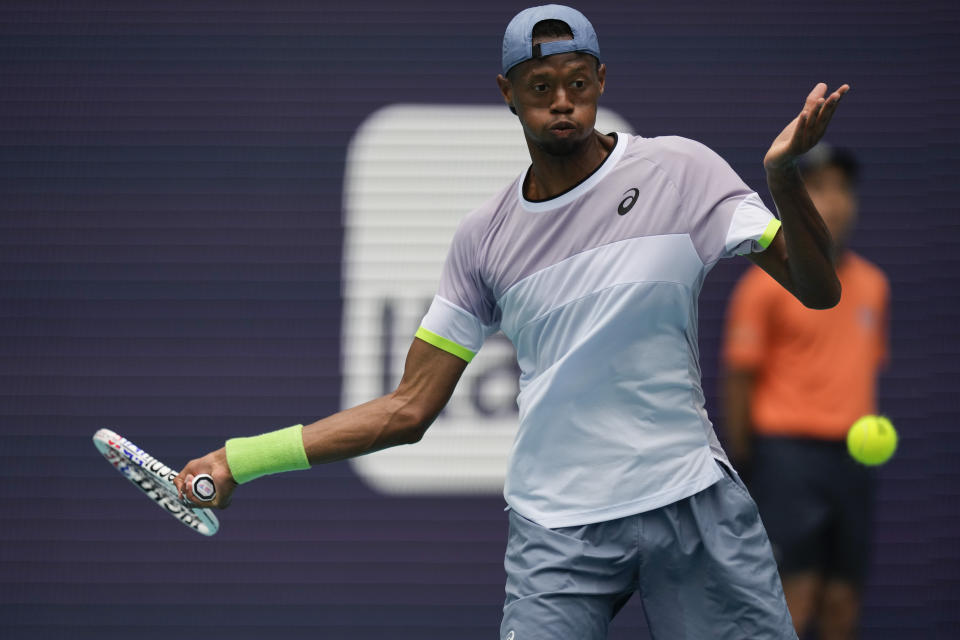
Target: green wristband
x=274 y=452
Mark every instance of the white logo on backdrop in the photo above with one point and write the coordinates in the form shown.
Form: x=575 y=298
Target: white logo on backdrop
x=413 y=172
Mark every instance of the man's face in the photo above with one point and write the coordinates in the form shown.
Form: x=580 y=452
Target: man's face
x=834 y=196
x=556 y=99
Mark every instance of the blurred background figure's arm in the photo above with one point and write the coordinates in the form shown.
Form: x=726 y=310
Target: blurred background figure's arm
x=745 y=347
x=736 y=394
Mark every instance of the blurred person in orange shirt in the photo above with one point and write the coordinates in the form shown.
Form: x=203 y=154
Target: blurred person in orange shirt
x=794 y=381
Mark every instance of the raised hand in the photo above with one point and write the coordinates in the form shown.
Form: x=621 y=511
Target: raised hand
x=806 y=129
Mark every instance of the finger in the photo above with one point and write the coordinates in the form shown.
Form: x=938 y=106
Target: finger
x=182 y=478
x=826 y=114
x=818 y=108
x=815 y=101
x=835 y=97
x=815 y=95
x=818 y=91
x=178 y=482
x=827 y=106
x=808 y=121
x=829 y=109
x=800 y=129
x=187 y=491
x=810 y=133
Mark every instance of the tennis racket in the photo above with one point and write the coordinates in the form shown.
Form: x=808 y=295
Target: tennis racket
x=155 y=479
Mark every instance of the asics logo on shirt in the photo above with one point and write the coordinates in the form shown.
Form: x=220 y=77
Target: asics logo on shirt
x=627 y=203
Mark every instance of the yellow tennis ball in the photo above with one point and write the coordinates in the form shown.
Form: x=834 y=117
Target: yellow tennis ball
x=872 y=440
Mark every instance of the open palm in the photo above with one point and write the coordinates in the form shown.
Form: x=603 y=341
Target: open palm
x=806 y=129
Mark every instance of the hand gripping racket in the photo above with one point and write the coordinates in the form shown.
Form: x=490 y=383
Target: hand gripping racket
x=155 y=479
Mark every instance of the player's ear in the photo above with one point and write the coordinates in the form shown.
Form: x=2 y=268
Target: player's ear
x=602 y=77
x=506 y=90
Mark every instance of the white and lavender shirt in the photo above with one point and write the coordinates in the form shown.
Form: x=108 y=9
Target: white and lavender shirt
x=597 y=289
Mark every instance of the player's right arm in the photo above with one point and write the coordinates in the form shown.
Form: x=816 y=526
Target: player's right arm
x=401 y=417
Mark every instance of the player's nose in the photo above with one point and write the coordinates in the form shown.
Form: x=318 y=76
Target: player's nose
x=561 y=102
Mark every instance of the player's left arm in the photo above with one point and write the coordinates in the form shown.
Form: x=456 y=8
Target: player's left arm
x=800 y=257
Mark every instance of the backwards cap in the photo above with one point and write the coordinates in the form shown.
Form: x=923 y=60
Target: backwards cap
x=518 y=38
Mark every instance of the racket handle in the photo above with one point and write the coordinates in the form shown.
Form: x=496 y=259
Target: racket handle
x=203 y=487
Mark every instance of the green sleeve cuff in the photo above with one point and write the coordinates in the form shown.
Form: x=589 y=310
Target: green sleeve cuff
x=447 y=345
x=274 y=452
x=769 y=233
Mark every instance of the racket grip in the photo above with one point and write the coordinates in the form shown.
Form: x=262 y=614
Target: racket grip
x=203 y=487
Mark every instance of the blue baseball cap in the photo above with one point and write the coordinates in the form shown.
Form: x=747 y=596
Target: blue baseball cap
x=518 y=38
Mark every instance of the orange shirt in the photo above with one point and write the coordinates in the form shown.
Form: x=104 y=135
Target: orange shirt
x=816 y=371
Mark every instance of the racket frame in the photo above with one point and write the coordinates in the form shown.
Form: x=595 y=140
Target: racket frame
x=155 y=479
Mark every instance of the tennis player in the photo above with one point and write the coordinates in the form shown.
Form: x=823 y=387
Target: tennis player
x=591 y=262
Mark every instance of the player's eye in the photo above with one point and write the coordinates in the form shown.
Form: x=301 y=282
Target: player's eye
x=540 y=87
x=579 y=84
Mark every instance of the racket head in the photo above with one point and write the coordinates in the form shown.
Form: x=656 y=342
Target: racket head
x=154 y=479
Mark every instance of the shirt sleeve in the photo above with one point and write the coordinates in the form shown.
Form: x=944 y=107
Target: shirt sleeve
x=749 y=321
x=752 y=228
x=463 y=314
x=726 y=216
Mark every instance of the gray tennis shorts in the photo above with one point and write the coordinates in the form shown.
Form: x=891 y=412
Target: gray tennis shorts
x=702 y=566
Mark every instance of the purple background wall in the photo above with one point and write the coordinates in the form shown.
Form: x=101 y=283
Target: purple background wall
x=170 y=229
